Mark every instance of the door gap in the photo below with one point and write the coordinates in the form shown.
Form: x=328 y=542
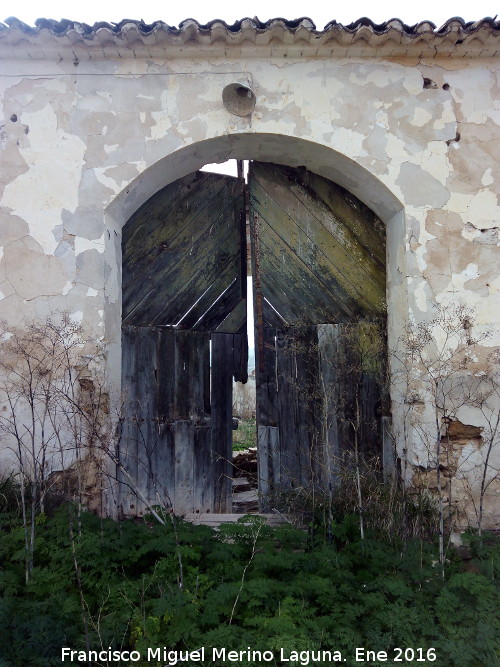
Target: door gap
x=245 y=480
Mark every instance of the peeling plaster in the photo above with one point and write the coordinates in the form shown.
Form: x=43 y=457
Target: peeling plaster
x=162 y=121
x=52 y=155
x=107 y=181
x=32 y=273
x=87 y=150
x=459 y=280
x=420 y=297
x=484 y=210
x=83 y=244
x=419 y=188
x=421 y=117
x=487 y=178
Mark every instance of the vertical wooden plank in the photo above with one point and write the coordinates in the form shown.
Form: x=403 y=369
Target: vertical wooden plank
x=287 y=409
x=183 y=379
x=222 y=376
x=184 y=466
x=195 y=371
x=370 y=420
x=269 y=465
x=243 y=206
x=187 y=475
x=274 y=458
x=263 y=467
x=372 y=348
x=127 y=453
x=328 y=335
x=166 y=379
x=240 y=357
x=203 y=478
x=165 y=387
x=147 y=426
x=348 y=394
x=205 y=361
x=268 y=461
x=191 y=349
x=165 y=465
x=266 y=396
x=309 y=395
x=155 y=421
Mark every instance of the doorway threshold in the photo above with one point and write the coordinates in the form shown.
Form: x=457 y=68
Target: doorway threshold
x=215 y=520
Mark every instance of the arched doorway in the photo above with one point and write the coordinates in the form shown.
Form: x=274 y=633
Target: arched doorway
x=318 y=258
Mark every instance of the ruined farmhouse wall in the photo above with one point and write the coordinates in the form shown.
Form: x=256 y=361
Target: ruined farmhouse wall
x=87 y=137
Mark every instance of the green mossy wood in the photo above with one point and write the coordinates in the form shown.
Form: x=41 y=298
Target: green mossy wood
x=319 y=282
x=319 y=254
x=184 y=304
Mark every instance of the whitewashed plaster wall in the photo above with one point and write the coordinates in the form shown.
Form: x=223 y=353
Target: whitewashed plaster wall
x=84 y=144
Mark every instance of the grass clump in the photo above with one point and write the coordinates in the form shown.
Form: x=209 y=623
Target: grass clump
x=244 y=436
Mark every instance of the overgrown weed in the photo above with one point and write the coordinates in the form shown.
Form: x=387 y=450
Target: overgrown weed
x=389 y=510
x=246 y=585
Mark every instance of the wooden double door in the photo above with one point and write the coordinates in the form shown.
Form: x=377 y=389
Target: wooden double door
x=317 y=258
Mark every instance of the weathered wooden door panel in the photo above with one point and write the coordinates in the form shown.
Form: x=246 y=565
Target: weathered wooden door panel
x=184 y=276
x=176 y=443
x=222 y=405
x=319 y=243
x=319 y=274
x=352 y=371
x=182 y=251
x=141 y=439
x=323 y=407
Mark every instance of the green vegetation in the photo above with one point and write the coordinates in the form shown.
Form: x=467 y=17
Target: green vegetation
x=245 y=435
x=97 y=583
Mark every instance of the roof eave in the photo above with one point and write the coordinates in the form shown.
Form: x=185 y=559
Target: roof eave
x=249 y=38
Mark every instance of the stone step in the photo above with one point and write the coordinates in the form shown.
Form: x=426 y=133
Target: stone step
x=246 y=496
x=241 y=484
x=215 y=520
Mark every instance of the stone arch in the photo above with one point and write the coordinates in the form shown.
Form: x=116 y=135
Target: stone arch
x=280 y=149
x=266 y=147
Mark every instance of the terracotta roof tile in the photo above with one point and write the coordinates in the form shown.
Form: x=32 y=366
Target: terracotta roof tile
x=277 y=36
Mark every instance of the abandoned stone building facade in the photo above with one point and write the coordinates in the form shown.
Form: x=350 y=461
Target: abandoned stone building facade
x=103 y=130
